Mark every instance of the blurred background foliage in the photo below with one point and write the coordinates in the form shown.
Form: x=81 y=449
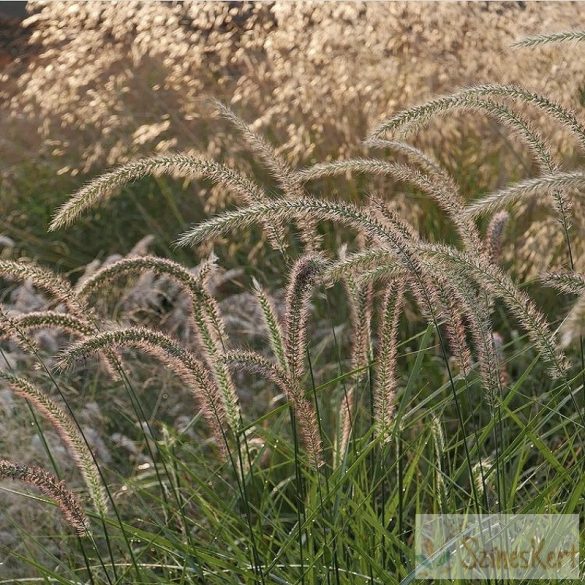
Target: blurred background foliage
x=88 y=85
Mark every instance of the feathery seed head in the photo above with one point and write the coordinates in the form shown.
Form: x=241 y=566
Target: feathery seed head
x=43 y=279
x=566 y=282
x=303 y=278
x=50 y=486
x=69 y=432
x=495 y=235
x=102 y=188
x=171 y=354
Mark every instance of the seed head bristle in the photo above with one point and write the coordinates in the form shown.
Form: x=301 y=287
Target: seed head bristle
x=272 y=324
x=495 y=235
x=414 y=117
x=51 y=487
x=286 y=178
x=500 y=285
x=304 y=410
x=303 y=278
x=551 y=185
x=44 y=279
x=179 y=360
x=566 y=282
x=69 y=433
x=547 y=39
x=386 y=375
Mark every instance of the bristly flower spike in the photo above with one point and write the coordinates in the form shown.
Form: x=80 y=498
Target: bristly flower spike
x=51 y=487
x=386 y=377
x=286 y=178
x=69 y=433
x=169 y=352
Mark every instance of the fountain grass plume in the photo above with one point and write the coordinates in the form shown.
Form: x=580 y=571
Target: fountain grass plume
x=303 y=278
x=101 y=189
x=171 y=354
x=194 y=284
x=53 y=320
x=160 y=266
x=521 y=127
x=275 y=163
x=495 y=235
x=69 y=433
x=104 y=187
x=386 y=360
x=412 y=118
x=566 y=282
x=43 y=279
x=206 y=316
x=303 y=408
x=272 y=324
x=501 y=286
x=417 y=157
x=551 y=38
x=550 y=185
x=51 y=487
x=357 y=264
x=360 y=298
x=442 y=193
x=284 y=175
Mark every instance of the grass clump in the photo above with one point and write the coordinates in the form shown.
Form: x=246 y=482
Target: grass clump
x=394 y=374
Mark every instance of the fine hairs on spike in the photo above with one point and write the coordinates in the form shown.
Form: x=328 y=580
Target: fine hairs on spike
x=450 y=310
x=566 y=282
x=413 y=117
x=359 y=296
x=546 y=184
x=356 y=264
x=170 y=353
x=69 y=433
x=43 y=279
x=386 y=380
x=500 y=285
x=281 y=209
x=52 y=319
x=417 y=157
x=51 y=487
x=547 y=39
x=124 y=266
x=305 y=414
x=274 y=162
x=495 y=235
x=391 y=219
x=448 y=199
x=303 y=278
x=462 y=301
x=206 y=317
x=194 y=284
x=272 y=324
x=287 y=179
x=69 y=323
x=519 y=126
x=104 y=187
